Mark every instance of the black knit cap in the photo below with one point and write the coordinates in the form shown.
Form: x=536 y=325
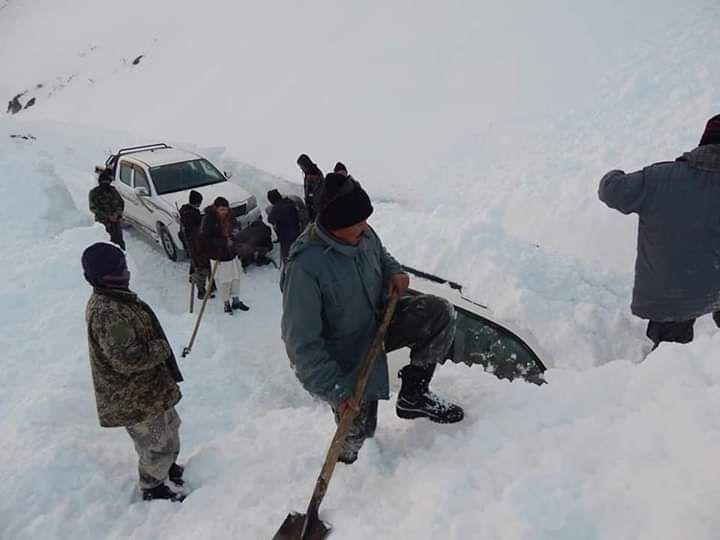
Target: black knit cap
x=711 y=135
x=106 y=175
x=340 y=167
x=273 y=196
x=100 y=260
x=195 y=198
x=221 y=201
x=304 y=160
x=343 y=202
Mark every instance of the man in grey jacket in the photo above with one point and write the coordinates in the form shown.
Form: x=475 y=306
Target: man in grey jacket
x=335 y=288
x=677 y=270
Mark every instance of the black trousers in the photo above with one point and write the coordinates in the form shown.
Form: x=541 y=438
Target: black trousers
x=674 y=331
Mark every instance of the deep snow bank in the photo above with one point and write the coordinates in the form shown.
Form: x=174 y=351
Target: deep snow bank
x=474 y=187
x=621 y=452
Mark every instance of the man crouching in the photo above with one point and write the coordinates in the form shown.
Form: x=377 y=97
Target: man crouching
x=134 y=370
x=335 y=289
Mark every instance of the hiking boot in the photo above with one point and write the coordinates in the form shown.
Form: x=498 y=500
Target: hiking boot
x=175 y=474
x=162 y=492
x=417 y=401
x=228 y=307
x=237 y=304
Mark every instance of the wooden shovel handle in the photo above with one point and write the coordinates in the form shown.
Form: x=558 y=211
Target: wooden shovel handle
x=187 y=349
x=347 y=418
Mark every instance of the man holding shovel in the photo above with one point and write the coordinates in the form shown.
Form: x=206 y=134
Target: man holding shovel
x=335 y=287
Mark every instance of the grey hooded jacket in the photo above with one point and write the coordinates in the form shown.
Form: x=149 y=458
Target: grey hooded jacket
x=677 y=270
x=333 y=297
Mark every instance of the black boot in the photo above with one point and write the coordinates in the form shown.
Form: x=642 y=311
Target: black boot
x=162 y=492
x=202 y=291
x=175 y=474
x=237 y=304
x=228 y=307
x=417 y=401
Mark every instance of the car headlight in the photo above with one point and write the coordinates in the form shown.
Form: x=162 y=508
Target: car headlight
x=251 y=203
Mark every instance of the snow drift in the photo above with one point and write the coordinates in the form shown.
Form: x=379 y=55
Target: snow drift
x=481 y=131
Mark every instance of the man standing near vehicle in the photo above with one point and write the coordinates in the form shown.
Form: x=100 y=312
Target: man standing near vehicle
x=107 y=205
x=312 y=184
x=283 y=215
x=190 y=220
x=335 y=287
x=677 y=271
x=134 y=370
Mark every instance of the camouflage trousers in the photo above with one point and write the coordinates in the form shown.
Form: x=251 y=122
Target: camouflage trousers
x=426 y=324
x=114 y=230
x=199 y=276
x=157 y=443
x=363 y=427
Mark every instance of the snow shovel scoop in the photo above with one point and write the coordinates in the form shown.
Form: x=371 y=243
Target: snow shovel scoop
x=308 y=526
x=187 y=349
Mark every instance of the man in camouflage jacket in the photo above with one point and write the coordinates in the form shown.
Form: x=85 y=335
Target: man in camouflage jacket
x=134 y=371
x=313 y=182
x=108 y=205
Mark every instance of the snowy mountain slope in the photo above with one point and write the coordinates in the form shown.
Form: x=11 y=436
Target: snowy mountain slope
x=582 y=457
x=493 y=186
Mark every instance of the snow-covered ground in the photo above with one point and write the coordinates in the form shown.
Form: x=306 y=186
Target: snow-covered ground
x=481 y=130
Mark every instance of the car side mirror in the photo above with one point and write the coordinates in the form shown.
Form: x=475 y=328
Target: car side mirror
x=227 y=175
x=141 y=191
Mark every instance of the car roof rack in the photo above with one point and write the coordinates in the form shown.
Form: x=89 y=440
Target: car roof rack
x=112 y=160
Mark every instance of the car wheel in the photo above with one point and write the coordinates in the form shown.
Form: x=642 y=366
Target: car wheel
x=168 y=243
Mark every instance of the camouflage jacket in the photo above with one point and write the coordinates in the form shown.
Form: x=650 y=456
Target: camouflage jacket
x=134 y=370
x=105 y=201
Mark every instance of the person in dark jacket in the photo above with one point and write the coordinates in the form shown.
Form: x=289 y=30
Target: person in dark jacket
x=216 y=231
x=335 y=287
x=283 y=215
x=312 y=184
x=190 y=221
x=677 y=270
x=134 y=371
x=340 y=168
x=107 y=205
x=253 y=243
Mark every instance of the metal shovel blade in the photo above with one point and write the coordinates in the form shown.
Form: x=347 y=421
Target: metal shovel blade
x=294 y=528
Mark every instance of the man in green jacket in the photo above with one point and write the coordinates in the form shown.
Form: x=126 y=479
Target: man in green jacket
x=107 y=205
x=335 y=288
x=134 y=371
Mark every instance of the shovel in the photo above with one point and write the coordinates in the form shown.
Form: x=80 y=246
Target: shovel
x=186 y=350
x=308 y=526
x=192 y=296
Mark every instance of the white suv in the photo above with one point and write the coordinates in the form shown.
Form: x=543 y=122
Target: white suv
x=155 y=181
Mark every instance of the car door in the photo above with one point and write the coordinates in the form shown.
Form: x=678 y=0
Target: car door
x=124 y=187
x=144 y=208
x=480 y=336
x=502 y=352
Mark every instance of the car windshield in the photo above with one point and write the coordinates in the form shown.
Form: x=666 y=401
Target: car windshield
x=185 y=175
